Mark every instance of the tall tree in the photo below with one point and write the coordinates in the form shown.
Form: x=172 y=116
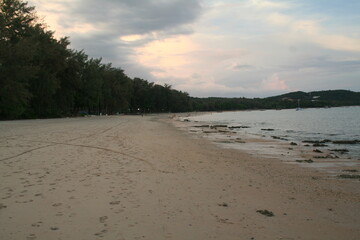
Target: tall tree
x=50 y=57
x=16 y=56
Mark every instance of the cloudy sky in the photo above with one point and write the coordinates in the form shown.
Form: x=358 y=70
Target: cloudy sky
x=231 y=48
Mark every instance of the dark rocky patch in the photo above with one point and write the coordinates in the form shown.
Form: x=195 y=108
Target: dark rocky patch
x=306 y=161
x=268 y=129
x=319 y=145
x=347 y=141
x=350 y=170
x=266 y=213
x=223 y=205
x=218 y=126
x=317 y=151
x=349 y=176
x=342 y=151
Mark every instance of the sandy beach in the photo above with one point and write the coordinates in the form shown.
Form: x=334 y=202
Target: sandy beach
x=133 y=177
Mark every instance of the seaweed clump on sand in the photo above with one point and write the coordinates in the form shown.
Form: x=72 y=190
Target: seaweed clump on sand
x=350 y=170
x=349 y=176
x=266 y=213
x=306 y=161
x=347 y=141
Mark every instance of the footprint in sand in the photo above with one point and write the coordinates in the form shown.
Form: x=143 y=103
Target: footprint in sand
x=57 y=204
x=103 y=219
x=31 y=237
x=37 y=224
x=59 y=214
x=101 y=234
x=114 y=202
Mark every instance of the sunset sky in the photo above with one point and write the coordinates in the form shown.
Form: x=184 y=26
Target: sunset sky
x=228 y=48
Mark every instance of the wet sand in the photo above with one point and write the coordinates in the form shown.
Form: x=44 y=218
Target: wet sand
x=133 y=177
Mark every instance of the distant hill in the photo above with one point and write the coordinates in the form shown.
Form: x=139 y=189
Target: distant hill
x=321 y=98
x=316 y=99
x=329 y=95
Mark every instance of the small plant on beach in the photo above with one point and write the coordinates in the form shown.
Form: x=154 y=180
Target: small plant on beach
x=266 y=213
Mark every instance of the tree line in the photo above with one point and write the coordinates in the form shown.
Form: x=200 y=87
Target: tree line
x=41 y=77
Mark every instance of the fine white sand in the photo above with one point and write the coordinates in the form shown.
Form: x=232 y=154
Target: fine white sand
x=133 y=177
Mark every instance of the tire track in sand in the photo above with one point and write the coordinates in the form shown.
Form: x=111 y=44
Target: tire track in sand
x=23 y=153
x=85 y=146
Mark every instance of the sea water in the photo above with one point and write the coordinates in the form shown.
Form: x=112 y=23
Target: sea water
x=316 y=124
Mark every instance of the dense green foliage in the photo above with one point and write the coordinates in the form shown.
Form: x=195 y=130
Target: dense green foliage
x=41 y=77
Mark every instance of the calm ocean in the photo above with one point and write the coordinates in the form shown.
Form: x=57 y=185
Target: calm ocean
x=341 y=123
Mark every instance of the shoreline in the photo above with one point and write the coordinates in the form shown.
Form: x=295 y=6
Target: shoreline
x=321 y=154
x=133 y=177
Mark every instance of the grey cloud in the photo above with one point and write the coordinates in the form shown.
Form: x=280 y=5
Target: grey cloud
x=114 y=18
x=238 y=67
x=324 y=62
x=136 y=17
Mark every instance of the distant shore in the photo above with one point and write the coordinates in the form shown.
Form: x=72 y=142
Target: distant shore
x=134 y=177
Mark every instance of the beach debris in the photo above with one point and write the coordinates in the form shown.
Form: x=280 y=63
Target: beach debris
x=202 y=126
x=293 y=144
x=223 y=204
x=266 y=213
x=186 y=120
x=317 y=151
x=223 y=220
x=268 y=129
x=349 y=176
